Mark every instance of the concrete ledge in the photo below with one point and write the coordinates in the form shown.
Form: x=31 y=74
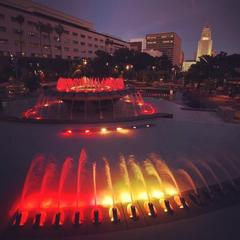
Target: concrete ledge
x=63 y=121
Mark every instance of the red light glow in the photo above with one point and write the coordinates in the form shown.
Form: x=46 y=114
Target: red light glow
x=89 y=84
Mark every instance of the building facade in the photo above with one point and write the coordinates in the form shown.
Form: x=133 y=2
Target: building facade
x=138 y=44
x=187 y=64
x=33 y=30
x=205 y=44
x=168 y=44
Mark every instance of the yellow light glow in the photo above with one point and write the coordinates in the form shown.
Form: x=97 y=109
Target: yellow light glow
x=104 y=131
x=107 y=201
x=142 y=196
x=125 y=197
x=171 y=191
x=122 y=130
x=157 y=194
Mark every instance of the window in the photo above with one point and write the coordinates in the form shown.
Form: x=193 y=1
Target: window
x=57 y=39
x=17 y=43
x=90 y=45
x=76 y=50
x=33 y=44
x=83 y=43
x=17 y=31
x=96 y=46
x=31 y=23
x=166 y=41
x=58 y=48
x=2 y=16
x=3 y=41
x=75 y=34
x=66 y=32
x=3 y=29
x=75 y=42
x=32 y=34
x=46 y=46
x=13 y=19
x=45 y=36
x=89 y=37
x=101 y=40
x=95 y=39
x=90 y=52
x=83 y=36
x=66 y=49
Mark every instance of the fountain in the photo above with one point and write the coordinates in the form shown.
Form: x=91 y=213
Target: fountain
x=90 y=100
x=147 y=190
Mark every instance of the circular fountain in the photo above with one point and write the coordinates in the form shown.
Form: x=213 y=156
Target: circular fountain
x=89 y=100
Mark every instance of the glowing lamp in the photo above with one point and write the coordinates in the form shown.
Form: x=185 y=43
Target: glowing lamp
x=87 y=131
x=69 y=131
x=103 y=130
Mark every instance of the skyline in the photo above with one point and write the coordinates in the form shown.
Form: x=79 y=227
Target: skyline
x=142 y=17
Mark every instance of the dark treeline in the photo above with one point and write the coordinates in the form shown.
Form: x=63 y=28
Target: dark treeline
x=127 y=63
x=215 y=72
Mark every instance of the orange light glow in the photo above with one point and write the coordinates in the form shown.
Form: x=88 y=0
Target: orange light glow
x=104 y=131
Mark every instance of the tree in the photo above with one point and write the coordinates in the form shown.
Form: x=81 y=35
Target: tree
x=214 y=71
x=20 y=20
x=59 y=30
x=49 y=29
x=107 y=43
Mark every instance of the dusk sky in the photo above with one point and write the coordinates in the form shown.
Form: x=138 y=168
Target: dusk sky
x=134 y=18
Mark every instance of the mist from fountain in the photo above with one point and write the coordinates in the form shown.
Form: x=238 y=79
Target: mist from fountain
x=67 y=165
x=199 y=174
x=189 y=179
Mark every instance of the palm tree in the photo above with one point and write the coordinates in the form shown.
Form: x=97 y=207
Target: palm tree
x=108 y=42
x=40 y=28
x=20 y=20
x=49 y=29
x=59 y=30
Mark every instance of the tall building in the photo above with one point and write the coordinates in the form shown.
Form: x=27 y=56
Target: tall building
x=138 y=44
x=168 y=44
x=205 y=44
x=29 y=29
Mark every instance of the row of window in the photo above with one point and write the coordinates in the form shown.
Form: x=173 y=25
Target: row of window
x=4 y=41
x=34 y=24
x=44 y=36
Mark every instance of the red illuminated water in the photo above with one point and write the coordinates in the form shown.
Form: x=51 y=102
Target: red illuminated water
x=89 y=84
x=81 y=162
x=126 y=181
